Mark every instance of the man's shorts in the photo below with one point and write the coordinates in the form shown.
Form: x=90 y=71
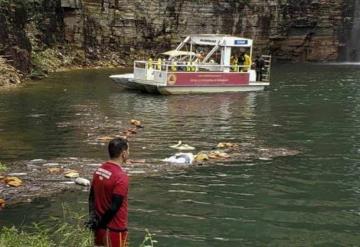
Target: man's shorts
x=110 y=238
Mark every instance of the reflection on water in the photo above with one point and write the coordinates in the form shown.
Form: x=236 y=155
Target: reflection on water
x=309 y=199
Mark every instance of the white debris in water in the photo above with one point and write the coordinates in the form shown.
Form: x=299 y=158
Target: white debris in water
x=17 y=174
x=93 y=165
x=180 y=158
x=136 y=172
x=37 y=160
x=82 y=181
x=36 y=115
x=68 y=182
x=265 y=158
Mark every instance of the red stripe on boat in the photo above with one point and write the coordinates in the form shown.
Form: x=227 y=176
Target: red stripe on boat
x=208 y=79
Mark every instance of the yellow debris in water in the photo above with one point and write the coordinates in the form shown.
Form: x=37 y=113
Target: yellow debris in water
x=71 y=174
x=2 y=203
x=104 y=138
x=135 y=122
x=13 y=181
x=54 y=170
x=226 y=145
x=218 y=155
x=182 y=147
x=201 y=157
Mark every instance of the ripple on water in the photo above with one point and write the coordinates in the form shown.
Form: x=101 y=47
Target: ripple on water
x=309 y=199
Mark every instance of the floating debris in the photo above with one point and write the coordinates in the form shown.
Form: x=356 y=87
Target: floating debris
x=180 y=158
x=13 y=181
x=2 y=203
x=137 y=123
x=17 y=174
x=36 y=115
x=40 y=182
x=68 y=182
x=227 y=145
x=218 y=155
x=37 y=160
x=54 y=170
x=137 y=172
x=93 y=165
x=82 y=181
x=71 y=174
x=201 y=157
x=182 y=147
x=104 y=138
x=51 y=164
x=139 y=161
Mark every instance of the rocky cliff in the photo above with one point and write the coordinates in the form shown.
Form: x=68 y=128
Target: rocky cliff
x=41 y=35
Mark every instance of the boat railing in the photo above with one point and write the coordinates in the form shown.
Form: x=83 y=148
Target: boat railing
x=157 y=73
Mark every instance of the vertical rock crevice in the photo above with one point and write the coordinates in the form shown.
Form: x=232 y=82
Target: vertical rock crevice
x=39 y=33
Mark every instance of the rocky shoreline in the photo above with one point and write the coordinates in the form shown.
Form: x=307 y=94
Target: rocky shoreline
x=9 y=76
x=43 y=178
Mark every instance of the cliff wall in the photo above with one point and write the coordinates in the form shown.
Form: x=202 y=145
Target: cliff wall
x=42 y=35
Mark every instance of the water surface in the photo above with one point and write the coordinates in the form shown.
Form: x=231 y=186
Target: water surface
x=309 y=199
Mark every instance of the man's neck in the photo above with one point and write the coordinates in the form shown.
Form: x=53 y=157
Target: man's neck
x=118 y=162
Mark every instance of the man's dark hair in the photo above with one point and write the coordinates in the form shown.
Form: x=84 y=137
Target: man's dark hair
x=117 y=146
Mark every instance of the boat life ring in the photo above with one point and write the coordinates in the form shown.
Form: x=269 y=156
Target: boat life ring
x=171 y=79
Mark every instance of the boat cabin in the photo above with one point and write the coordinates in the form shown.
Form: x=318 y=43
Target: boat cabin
x=201 y=64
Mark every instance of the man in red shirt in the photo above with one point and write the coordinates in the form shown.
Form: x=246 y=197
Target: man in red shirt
x=108 y=200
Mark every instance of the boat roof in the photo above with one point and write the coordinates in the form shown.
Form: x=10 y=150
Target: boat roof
x=219 y=39
x=175 y=53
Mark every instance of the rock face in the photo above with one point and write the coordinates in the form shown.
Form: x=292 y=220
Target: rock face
x=112 y=32
x=296 y=30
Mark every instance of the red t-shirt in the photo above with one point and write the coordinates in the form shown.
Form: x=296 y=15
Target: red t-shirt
x=111 y=179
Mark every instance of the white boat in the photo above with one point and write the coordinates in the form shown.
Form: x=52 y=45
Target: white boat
x=189 y=70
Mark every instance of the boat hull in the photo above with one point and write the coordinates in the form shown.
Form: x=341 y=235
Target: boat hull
x=212 y=89
x=128 y=81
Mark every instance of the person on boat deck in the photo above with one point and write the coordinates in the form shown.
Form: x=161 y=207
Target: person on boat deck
x=190 y=67
x=247 y=62
x=108 y=199
x=259 y=67
x=173 y=65
x=158 y=64
x=241 y=61
x=234 y=63
x=200 y=56
x=149 y=63
x=163 y=64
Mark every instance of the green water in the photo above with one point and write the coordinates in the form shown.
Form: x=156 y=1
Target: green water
x=312 y=199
